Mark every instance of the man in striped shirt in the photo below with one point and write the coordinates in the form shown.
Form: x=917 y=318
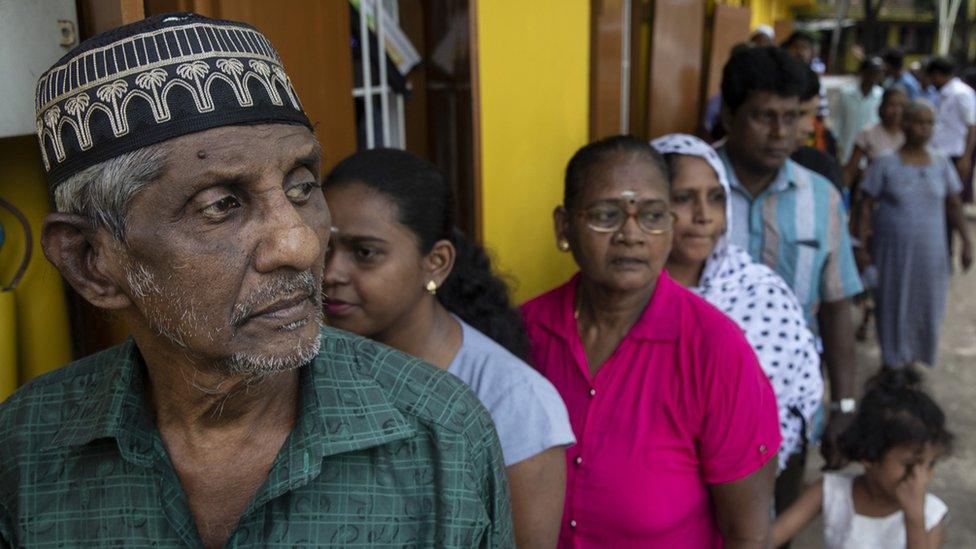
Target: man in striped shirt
x=788 y=217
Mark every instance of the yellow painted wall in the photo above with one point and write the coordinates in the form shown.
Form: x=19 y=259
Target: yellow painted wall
x=533 y=60
x=41 y=316
x=767 y=12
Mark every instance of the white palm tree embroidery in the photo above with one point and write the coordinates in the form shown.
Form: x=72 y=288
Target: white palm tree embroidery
x=235 y=69
x=262 y=69
x=282 y=77
x=40 y=139
x=76 y=106
x=195 y=71
x=152 y=81
x=51 y=117
x=111 y=93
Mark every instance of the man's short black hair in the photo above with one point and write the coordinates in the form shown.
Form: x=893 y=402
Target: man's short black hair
x=812 y=89
x=941 y=65
x=894 y=57
x=800 y=36
x=768 y=69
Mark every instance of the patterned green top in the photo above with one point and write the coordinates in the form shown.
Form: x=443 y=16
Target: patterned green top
x=387 y=451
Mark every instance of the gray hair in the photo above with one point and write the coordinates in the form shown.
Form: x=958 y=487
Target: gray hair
x=101 y=193
x=916 y=105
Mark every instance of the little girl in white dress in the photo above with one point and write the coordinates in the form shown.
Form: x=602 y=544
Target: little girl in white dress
x=898 y=435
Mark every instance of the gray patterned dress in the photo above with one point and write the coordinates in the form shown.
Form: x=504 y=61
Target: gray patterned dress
x=909 y=249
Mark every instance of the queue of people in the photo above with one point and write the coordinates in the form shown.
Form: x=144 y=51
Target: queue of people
x=335 y=364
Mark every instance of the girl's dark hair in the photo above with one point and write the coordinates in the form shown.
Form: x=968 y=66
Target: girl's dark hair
x=425 y=205
x=577 y=171
x=895 y=411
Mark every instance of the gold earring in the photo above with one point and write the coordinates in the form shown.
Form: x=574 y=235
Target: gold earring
x=431 y=287
x=563 y=245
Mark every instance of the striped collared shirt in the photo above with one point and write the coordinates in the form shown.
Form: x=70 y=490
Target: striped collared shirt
x=797 y=226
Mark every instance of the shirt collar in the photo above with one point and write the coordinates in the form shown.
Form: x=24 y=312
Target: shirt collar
x=950 y=87
x=785 y=179
x=659 y=322
x=114 y=408
x=342 y=409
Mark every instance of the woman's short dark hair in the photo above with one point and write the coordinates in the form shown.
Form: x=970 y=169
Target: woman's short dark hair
x=579 y=166
x=895 y=411
x=768 y=69
x=425 y=205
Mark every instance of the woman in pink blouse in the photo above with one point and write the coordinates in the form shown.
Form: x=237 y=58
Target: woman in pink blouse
x=676 y=424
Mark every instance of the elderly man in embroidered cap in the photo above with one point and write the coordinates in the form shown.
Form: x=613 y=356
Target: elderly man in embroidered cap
x=186 y=181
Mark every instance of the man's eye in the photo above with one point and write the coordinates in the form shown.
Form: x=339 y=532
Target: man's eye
x=680 y=198
x=718 y=197
x=221 y=207
x=301 y=192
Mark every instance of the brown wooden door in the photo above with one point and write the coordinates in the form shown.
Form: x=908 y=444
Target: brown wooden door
x=607 y=33
x=730 y=26
x=677 y=34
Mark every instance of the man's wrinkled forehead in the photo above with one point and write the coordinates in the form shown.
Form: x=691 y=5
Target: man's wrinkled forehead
x=276 y=144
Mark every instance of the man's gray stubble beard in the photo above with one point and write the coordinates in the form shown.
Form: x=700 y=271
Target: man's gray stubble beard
x=149 y=294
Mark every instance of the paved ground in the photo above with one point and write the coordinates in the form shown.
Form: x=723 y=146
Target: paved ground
x=953 y=384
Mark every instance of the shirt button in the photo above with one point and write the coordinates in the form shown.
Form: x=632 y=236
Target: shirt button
x=572 y=524
x=592 y=392
x=579 y=460
x=762 y=448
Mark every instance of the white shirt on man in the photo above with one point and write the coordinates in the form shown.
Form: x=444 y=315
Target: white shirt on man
x=956 y=114
x=855 y=111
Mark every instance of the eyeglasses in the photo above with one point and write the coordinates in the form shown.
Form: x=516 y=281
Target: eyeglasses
x=654 y=218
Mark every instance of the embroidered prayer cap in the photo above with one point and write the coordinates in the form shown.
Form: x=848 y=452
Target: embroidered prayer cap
x=153 y=80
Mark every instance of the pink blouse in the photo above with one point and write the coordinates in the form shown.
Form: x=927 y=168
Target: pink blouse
x=682 y=403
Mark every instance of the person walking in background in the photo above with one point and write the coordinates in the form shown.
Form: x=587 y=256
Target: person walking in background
x=880 y=139
x=789 y=218
x=954 y=135
x=764 y=35
x=676 y=422
x=857 y=106
x=896 y=75
x=898 y=436
x=750 y=293
x=399 y=272
x=907 y=196
x=805 y=46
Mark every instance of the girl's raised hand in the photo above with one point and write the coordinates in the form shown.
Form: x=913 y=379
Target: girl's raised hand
x=910 y=491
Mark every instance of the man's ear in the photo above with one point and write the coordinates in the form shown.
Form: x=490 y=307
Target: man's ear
x=86 y=259
x=440 y=261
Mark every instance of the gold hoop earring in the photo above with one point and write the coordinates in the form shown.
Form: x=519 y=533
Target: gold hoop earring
x=563 y=245
x=431 y=287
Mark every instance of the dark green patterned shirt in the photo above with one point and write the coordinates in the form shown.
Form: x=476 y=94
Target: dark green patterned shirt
x=387 y=451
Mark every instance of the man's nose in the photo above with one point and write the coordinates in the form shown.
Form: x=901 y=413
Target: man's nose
x=287 y=240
